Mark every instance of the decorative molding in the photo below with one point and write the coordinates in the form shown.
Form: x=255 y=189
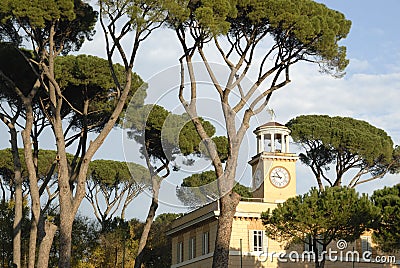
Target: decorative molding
x=185 y=225
x=196 y=259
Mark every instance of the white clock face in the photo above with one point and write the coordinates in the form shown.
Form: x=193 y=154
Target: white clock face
x=279 y=177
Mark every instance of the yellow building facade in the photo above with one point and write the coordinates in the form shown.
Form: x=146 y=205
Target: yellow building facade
x=273 y=181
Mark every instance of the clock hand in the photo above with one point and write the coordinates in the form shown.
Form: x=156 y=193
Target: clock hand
x=277 y=177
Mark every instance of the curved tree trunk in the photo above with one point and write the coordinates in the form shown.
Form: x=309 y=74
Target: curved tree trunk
x=149 y=221
x=17 y=181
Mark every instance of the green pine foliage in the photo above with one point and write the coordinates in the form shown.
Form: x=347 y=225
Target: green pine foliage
x=111 y=173
x=387 y=231
x=159 y=245
x=333 y=214
x=347 y=142
x=76 y=20
x=308 y=29
x=164 y=135
x=199 y=189
x=88 y=86
x=14 y=66
x=6 y=232
x=343 y=134
x=46 y=158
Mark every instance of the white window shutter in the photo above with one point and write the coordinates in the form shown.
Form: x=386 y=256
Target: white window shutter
x=265 y=242
x=251 y=240
x=365 y=243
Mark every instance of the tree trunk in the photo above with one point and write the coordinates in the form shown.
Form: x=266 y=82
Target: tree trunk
x=228 y=204
x=319 y=181
x=66 y=200
x=17 y=225
x=65 y=240
x=67 y=213
x=322 y=262
x=45 y=245
x=18 y=206
x=315 y=250
x=33 y=187
x=318 y=263
x=35 y=209
x=149 y=221
x=66 y=197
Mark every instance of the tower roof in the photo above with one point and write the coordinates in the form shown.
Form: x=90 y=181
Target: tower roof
x=272 y=127
x=271 y=124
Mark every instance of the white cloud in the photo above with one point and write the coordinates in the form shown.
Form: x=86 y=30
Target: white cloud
x=363 y=96
x=371 y=97
x=357 y=65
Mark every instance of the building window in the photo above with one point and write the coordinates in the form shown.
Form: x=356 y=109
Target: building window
x=309 y=246
x=258 y=237
x=179 y=252
x=205 y=248
x=365 y=243
x=258 y=242
x=192 y=247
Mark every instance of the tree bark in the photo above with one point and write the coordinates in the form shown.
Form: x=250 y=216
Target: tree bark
x=45 y=245
x=31 y=170
x=33 y=187
x=228 y=204
x=17 y=225
x=226 y=177
x=67 y=212
x=319 y=263
x=65 y=239
x=69 y=203
x=18 y=206
x=149 y=221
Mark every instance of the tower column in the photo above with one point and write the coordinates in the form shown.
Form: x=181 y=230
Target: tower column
x=260 y=143
x=270 y=133
x=287 y=143
x=272 y=142
x=283 y=143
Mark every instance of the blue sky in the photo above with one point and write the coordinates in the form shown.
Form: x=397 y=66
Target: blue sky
x=370 y=91
x=374 y=38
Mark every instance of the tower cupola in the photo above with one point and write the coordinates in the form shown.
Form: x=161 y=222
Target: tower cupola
x=272 y=137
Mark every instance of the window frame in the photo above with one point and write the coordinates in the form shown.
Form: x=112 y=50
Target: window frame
x=179 y=252
x=309 y=247
x=258 y=241
x=205 y=243
x=192 y=247
x=365 y=244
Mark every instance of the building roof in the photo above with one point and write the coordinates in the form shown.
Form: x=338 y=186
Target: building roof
x=271 y=124
x=251 y=208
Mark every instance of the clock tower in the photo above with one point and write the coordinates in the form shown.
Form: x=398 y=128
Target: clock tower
x=273 y=167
